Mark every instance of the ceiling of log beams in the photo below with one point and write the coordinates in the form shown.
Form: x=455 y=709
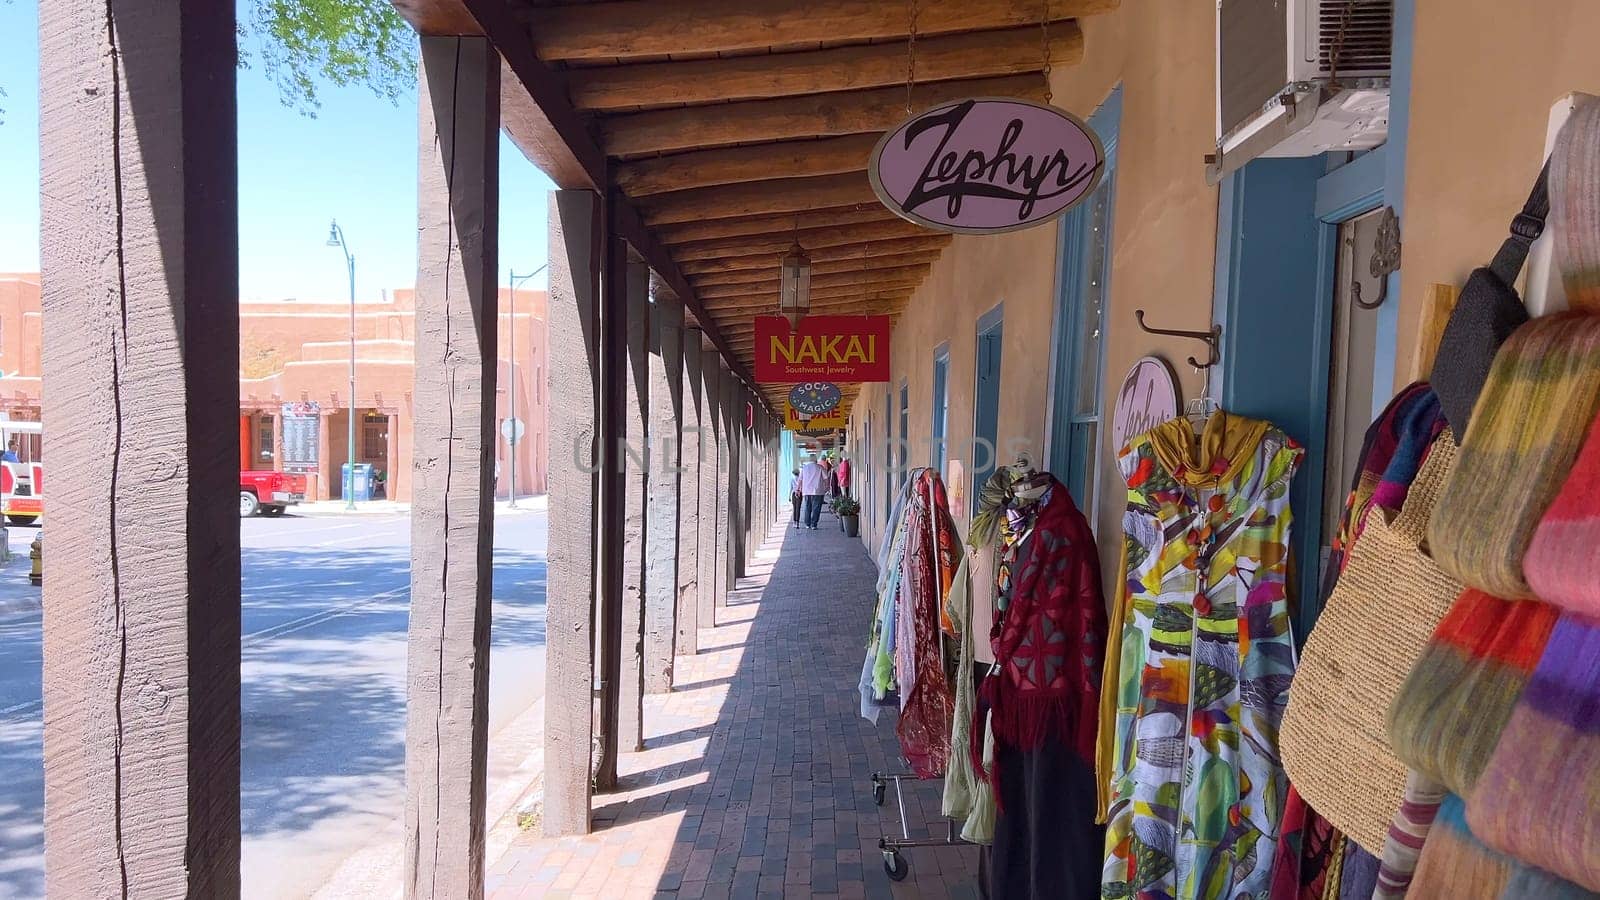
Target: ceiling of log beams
x=736 y=127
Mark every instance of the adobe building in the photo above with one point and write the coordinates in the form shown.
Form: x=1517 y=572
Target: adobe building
x=296 y=352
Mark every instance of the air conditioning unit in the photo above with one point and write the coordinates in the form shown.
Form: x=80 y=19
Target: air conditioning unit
x=1300 y=77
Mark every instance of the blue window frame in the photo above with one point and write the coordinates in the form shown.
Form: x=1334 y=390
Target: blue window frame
x=1078 y=367
x=904 y=458
x=888 y=450
x=941 y=408
x=986 y=408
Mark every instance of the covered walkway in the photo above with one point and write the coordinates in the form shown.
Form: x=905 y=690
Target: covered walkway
x=755 y=778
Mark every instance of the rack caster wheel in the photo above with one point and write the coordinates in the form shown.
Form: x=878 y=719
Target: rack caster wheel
x=895 y=866
x=878 y=792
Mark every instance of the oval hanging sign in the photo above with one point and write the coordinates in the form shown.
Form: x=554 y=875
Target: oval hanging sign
x=986 y=164
x=1148 y=397
x=815 y=398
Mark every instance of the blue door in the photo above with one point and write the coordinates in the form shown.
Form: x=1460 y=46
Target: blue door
x=941 y=407
x=986 y=419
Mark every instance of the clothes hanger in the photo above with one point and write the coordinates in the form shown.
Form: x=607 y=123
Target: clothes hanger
x=1198 y=410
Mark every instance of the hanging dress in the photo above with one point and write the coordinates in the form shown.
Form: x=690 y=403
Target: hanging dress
x=1043 y=695
x=1197 y=787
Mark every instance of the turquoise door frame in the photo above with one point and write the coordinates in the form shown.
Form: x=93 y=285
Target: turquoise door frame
x=1277 y=259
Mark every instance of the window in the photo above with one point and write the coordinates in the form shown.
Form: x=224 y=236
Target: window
x=1079 y=370
x=888 y=450
x=941 y=408
x=905 y=435
x=266 y=446
x=986 y=409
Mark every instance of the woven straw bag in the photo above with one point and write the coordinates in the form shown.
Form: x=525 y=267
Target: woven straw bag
x=1377 y=620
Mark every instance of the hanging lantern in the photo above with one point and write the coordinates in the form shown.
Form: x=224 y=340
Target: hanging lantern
x=794 y=292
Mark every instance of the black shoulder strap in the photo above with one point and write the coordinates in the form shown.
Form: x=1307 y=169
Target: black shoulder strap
x=1525 y=229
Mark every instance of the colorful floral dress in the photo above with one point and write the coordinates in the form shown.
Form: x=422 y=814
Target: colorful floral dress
x=1197 y=787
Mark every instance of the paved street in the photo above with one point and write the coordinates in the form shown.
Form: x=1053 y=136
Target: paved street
x=325 y=603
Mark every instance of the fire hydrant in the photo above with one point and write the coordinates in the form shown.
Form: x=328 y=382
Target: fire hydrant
x=36 y=553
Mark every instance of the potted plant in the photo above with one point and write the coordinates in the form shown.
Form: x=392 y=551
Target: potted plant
x=849 y=512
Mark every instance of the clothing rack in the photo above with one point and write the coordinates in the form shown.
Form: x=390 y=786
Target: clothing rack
x=894 y=864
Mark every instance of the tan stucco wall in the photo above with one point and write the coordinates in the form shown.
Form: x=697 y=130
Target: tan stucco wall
x=1484 y=76
x=1164 y=236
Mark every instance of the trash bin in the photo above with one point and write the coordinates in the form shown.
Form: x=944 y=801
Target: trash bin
x=361 y=488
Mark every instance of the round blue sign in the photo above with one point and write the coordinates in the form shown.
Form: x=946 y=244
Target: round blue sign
x=814 y=398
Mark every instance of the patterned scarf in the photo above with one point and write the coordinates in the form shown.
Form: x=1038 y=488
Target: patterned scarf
x=992 y=500
x=1048 y=646
x=1214 y=456
x=1525 y=432
x=927 y=705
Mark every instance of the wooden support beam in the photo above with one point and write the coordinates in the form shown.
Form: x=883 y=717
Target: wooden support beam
x=634 y=457
x=895 y=275
x=767 y=225
x=139 y=254
x=576 y=254
x=691 y=452
x=976 y=54
x=761 y=259
x=754 y=198
x=727 y=478
x=452 y=537
x=814 y=240
x=622 y=29
x=784 y=118
x=614 y=374
x=767 y=302
x=731 y=165
x=664 y=439
x=826 y=267
x=712 y=463
x=742 y=327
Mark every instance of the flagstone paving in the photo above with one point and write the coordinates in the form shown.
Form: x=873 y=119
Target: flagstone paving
x=756 y=777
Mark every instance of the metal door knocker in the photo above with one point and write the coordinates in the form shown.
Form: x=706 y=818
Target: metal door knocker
x=1385 y=259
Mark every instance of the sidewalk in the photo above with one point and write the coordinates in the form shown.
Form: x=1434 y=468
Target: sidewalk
x=756 y=777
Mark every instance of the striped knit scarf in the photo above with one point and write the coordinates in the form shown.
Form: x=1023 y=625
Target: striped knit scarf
x=1539 y=795
x=1448 y=715
x=1525 y=432
x=1575 y=206
x=1456 y=866
x=1560 y=560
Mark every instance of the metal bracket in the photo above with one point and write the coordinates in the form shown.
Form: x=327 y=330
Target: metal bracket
x=1212 y=340
x=1385 y=260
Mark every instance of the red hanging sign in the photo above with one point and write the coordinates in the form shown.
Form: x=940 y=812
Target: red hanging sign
x=823 y=348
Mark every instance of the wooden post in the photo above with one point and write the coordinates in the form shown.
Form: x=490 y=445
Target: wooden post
x=452 y=491
x=712 y=496
x=614 y=376
x=662 y=520
x=727 y=503
x=633 y=455
x=573 y=389
x=689 y=519
x=140 y=261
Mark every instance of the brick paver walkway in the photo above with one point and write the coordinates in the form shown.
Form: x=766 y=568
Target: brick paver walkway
x=756 y=777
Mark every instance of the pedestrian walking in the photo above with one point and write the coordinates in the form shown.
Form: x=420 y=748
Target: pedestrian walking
x=813 y=483
x=795 y=495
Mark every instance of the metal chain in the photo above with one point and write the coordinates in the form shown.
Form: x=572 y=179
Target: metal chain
x=911 y=51
x=1044 y=46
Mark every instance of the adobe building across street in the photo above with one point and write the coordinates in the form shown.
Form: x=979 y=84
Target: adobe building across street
x=294 y=376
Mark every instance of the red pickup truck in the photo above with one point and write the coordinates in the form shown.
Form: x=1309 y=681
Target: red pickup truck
x=269 y=492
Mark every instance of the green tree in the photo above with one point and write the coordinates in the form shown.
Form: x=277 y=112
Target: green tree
x=302 y=43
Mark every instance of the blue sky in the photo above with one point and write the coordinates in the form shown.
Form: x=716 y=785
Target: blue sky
x=357 y=162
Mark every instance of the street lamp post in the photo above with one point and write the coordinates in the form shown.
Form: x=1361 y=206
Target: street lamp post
x=336 y=239
x=512 y=438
